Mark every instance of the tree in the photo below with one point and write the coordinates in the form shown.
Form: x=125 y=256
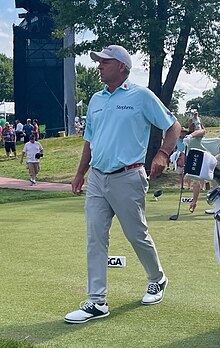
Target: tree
x=177 y=95
x=87 y=83
x=6 y=78
x=173 y=34
x=208 y=104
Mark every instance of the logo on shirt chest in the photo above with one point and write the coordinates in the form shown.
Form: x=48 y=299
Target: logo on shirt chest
x=124 y=107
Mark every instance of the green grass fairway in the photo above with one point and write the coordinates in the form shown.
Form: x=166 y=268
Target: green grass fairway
x=43 y=276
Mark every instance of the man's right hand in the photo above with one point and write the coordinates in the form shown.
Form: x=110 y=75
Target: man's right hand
x=77 y=184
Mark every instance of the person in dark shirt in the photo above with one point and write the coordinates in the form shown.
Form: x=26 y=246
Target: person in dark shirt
x=27 y=130
x=9 y=136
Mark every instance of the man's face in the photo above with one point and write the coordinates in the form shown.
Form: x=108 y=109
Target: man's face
x=110 y=70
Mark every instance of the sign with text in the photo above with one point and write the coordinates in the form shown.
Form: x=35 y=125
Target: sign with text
x=116 y=261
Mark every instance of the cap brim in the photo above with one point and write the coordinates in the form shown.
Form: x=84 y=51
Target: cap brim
x=96 y=56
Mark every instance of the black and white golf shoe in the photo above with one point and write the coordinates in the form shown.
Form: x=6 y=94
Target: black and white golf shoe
x=88 y=310
x=155 y=292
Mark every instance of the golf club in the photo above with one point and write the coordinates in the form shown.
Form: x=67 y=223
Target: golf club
x=175 y=217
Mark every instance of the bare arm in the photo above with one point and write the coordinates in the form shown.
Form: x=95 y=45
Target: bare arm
x=198 y=133
x=78 y=181
x=160 y=160
x=22 y=157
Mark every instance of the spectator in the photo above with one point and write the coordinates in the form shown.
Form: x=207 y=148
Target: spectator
x=193 y=140
x=2 y=122
x=196 y=132
x=9 y=137
x=36 y=129
x=28 y=130
x=33 y=151
x=18 y=130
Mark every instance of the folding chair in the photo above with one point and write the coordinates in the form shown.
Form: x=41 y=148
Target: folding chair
x=42 y=131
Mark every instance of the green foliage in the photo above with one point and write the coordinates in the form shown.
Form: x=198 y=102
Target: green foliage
x=158 y=29
x=87 y=83
x=6 y=78
x=208 y=104
x=177 y=95
x=207 y=121
x=210 y=121
x=178 y=34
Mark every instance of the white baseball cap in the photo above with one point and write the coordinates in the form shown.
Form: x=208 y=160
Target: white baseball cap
x=113 y=52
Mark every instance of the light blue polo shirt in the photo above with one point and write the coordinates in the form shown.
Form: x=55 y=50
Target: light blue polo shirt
x=180 y=145
x=118 y=125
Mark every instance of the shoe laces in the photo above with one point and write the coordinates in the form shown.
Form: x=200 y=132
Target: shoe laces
x=86 y=304
x=153 y=288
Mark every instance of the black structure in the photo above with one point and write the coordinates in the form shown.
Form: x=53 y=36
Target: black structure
x=38 y=71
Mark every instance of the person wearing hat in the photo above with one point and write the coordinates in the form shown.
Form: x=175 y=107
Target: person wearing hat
x=116 y=137
x=196 y=133
x=9 y=138
x=33 y=151
x=181 y=157
x=193 y=140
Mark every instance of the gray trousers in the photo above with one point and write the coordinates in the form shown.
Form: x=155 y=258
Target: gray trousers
x=123 y=195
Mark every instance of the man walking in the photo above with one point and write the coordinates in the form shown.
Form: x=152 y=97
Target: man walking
x=34 y=151
x=116 y=139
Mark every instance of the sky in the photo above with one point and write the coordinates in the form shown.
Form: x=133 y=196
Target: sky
x=192 y=84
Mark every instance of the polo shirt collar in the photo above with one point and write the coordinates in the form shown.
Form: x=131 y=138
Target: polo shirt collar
x=125 y=85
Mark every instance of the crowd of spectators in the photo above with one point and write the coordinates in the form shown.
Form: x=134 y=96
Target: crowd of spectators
x=10 y=134
x=80 y=124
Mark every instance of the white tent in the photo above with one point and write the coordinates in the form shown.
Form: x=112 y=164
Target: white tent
x=7 y=108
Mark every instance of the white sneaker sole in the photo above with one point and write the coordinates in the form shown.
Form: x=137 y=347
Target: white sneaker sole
x=69 y=321
x=158 y=301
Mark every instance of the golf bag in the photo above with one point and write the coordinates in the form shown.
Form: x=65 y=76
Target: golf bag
x=202 y=165
x=213 y=197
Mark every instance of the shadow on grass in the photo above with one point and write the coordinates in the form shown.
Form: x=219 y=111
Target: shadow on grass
x=127 y=307
x=205 y=340
x=37 y=333
x=42 y=332
x=182 y=217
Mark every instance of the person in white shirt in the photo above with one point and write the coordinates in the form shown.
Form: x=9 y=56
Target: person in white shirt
x=18 y=130
x=33 y=151
x=193 y=141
